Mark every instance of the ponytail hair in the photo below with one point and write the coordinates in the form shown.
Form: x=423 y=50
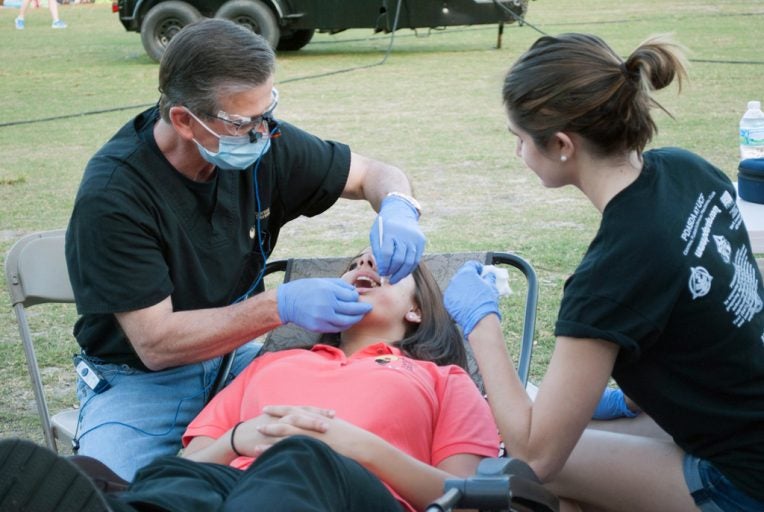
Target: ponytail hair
x=577 y=83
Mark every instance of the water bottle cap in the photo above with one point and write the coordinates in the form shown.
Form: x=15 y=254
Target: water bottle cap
x=754 y=105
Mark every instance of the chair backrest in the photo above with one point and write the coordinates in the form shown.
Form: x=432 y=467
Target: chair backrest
x=442 y=266
x=36 y=273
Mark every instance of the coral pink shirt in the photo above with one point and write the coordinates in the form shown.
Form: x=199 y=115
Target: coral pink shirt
x=427 y=411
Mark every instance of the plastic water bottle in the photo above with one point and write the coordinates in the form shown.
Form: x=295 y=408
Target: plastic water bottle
x=752 y=132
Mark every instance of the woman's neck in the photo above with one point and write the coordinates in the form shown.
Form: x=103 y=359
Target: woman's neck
x=354 y=339
x=601 y=179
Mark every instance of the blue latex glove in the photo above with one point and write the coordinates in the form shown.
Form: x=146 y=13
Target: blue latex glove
x=397 y=243
x=320 y=304
x=469 y=297
x=612 y=405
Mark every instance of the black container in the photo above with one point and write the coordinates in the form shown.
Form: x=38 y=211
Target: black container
x=750 y=180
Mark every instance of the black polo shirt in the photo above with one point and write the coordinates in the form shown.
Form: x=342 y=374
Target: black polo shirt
x=141 y=231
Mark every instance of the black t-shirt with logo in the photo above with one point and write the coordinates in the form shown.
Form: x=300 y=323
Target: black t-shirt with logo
x=141 y=231
x=671 y=280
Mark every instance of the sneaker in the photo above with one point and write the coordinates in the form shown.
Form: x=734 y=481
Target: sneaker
x=58 y=24
x=19 y=23
x=33 y=477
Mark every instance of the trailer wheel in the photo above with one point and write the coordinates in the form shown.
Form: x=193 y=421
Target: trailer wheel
x=161 y=24
x=295 y=40
x=254 y=15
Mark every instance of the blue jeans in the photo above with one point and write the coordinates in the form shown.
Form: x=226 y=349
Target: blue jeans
x=143 y=415
x=713 y=492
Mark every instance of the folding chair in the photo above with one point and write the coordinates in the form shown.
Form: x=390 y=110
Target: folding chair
x=500 y=483
x=36 y=273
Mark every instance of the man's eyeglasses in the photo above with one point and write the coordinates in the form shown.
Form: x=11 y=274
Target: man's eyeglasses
x=253 y=126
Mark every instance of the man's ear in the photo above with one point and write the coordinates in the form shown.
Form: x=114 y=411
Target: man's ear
x=414 y=315
x=181 y=120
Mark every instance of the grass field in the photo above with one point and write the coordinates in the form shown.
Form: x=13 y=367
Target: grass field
x=433 y=108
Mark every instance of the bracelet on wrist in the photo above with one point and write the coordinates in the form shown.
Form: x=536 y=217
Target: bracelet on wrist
x=233 y=433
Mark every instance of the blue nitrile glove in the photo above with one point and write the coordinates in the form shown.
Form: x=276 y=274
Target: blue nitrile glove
x=397 y=243
x=469 y=298
x=320 y=304
x=612 y=405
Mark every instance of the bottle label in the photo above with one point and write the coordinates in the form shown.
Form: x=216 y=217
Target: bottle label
x=752 y=136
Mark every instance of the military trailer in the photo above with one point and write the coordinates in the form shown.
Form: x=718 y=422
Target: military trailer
x=289 y=25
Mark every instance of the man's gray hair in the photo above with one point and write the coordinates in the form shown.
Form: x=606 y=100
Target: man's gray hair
x=208 y=59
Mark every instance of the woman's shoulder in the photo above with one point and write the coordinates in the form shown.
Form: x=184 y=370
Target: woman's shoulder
x=680 y=161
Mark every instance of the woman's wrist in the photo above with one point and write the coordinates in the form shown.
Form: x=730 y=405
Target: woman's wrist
x=486 y=329
x=233 y=441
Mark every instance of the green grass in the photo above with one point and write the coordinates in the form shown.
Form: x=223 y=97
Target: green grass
x=433 y=108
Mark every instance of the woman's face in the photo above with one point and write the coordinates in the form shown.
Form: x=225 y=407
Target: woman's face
x=391 y=302
x=546 y=168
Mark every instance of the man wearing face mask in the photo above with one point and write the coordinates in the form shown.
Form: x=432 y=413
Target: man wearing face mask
x=171 y=228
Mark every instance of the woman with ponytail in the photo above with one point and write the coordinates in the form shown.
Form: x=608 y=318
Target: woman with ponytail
x=667 y=299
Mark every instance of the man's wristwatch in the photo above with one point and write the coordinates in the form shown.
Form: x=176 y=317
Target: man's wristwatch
x=408 y=200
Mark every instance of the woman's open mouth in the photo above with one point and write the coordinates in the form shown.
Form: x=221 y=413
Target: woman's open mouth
x=365 y=282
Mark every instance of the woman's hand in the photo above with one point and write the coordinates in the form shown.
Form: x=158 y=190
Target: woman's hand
x=469 y=297
x=414 y=480
x=270 y=426
x=344 y=438
x=247 y=437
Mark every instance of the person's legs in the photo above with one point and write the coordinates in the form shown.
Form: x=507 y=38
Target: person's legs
x=22 y=12
x=177 y=484
x=642 y=425
x=143 y=415
x=625 y=472
x=23 y=8
x=303 y=474
x=53 y=7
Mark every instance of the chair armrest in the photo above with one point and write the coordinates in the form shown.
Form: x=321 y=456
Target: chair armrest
x=499 y=484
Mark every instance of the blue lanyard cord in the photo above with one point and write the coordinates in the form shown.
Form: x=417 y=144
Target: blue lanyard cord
x=76 y=438
x=261 y=274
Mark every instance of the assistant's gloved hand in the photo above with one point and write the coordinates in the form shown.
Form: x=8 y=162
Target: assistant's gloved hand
x=612 y=405
x=469 y=297
x=320 y=304
x=398 y=244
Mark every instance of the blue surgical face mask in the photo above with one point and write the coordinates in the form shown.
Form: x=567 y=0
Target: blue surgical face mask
x=235 y=153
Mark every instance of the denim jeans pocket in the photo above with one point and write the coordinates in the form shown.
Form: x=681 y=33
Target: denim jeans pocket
x=723 y=493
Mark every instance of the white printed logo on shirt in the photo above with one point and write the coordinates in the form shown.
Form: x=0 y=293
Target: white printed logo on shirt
x=730 y=204
x=743 y=301
x=700 y=282
x=723 y=247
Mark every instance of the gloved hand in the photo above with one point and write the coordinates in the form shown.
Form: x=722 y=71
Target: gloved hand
x=612 y=405
x=469 y=297
x=397 y=243
x=320 y=304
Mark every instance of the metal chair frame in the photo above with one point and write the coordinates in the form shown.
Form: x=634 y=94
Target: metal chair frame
x=36 y=273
